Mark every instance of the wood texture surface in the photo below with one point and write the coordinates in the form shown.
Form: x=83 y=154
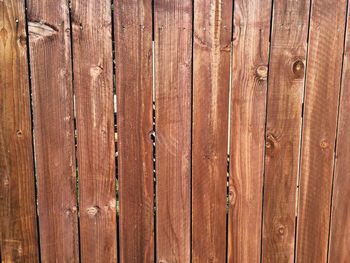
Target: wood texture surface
x=18 y=230
x=284 y=108
x=339 y=241
x=133 y=32
x=248 y=102
x=93 y=85
x=211 y=82
x=173 y=58
x=319 y=129
x=50 y=50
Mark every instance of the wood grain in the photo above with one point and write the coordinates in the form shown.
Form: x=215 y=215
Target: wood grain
x=18 y=230
x=319 y=129
x=133 y=33
x=93 y=84
x=173 y=58
x=285 y=98
x=339 y=242
x=211 y=81
x=248 y=106
x=50 y=50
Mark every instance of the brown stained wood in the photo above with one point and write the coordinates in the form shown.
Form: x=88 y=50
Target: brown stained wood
x=18 y=230
x=339 y=242
x=133 y=32
x=93 y=85
x=211 y=81
x=50 y=50
x=248 y=102
x=173 y=58
x=284 y=106
x=319 y=129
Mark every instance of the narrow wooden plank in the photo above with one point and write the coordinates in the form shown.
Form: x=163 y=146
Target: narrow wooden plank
x=133 y=33
x=339 y=242
x=173 y=58
x=18 y=229
x=93 y=84
x=319 y=130
x=248 y=107
x=284 y=106
x=211 y=81
x=49 y=35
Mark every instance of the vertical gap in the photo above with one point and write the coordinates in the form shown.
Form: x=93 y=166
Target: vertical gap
x=265 y=130
x=229 y=145
x=336 y=134
x=32 y=127
x=191 y=129
x=230 y=87
x=153 y=137
x=75 y=126
x=301 y=137
x=115 y=118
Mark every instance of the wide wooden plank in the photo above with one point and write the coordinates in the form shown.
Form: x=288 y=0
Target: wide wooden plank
x=133 y=33
x=173 y=58
x=319 y=130
x=248 y=107
x=93 y=85
x=339 y=243
x=211 y=81
x=50 y=50
x=18 y=228
x=284 y=107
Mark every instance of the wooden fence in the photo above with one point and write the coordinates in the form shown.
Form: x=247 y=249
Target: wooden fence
x=174 y=131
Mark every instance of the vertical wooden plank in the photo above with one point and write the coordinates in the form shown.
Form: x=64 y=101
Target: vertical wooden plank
x=248 y=102
x=284 y=106
x=211 y=81
x=49 y=35
x=18 y=230
x=339 y=243
x=173 y=58
x=134 y=93
x=319 y=130
x=93 y=84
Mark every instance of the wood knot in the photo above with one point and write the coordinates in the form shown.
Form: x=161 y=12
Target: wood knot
x=281 y=230
x=19 y=133
x=298 y=69
x=261 y=72
x=324 y=144
x=93 y=210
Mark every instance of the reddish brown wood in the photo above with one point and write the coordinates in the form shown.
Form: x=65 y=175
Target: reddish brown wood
x=133 y=32
x=319 y=130
x=284 y=106
x=211 y=81
x=339 y=243
x=173 y=58
x=249 y=73
x=93 y=84
x=18 y=230
x=49 y=35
